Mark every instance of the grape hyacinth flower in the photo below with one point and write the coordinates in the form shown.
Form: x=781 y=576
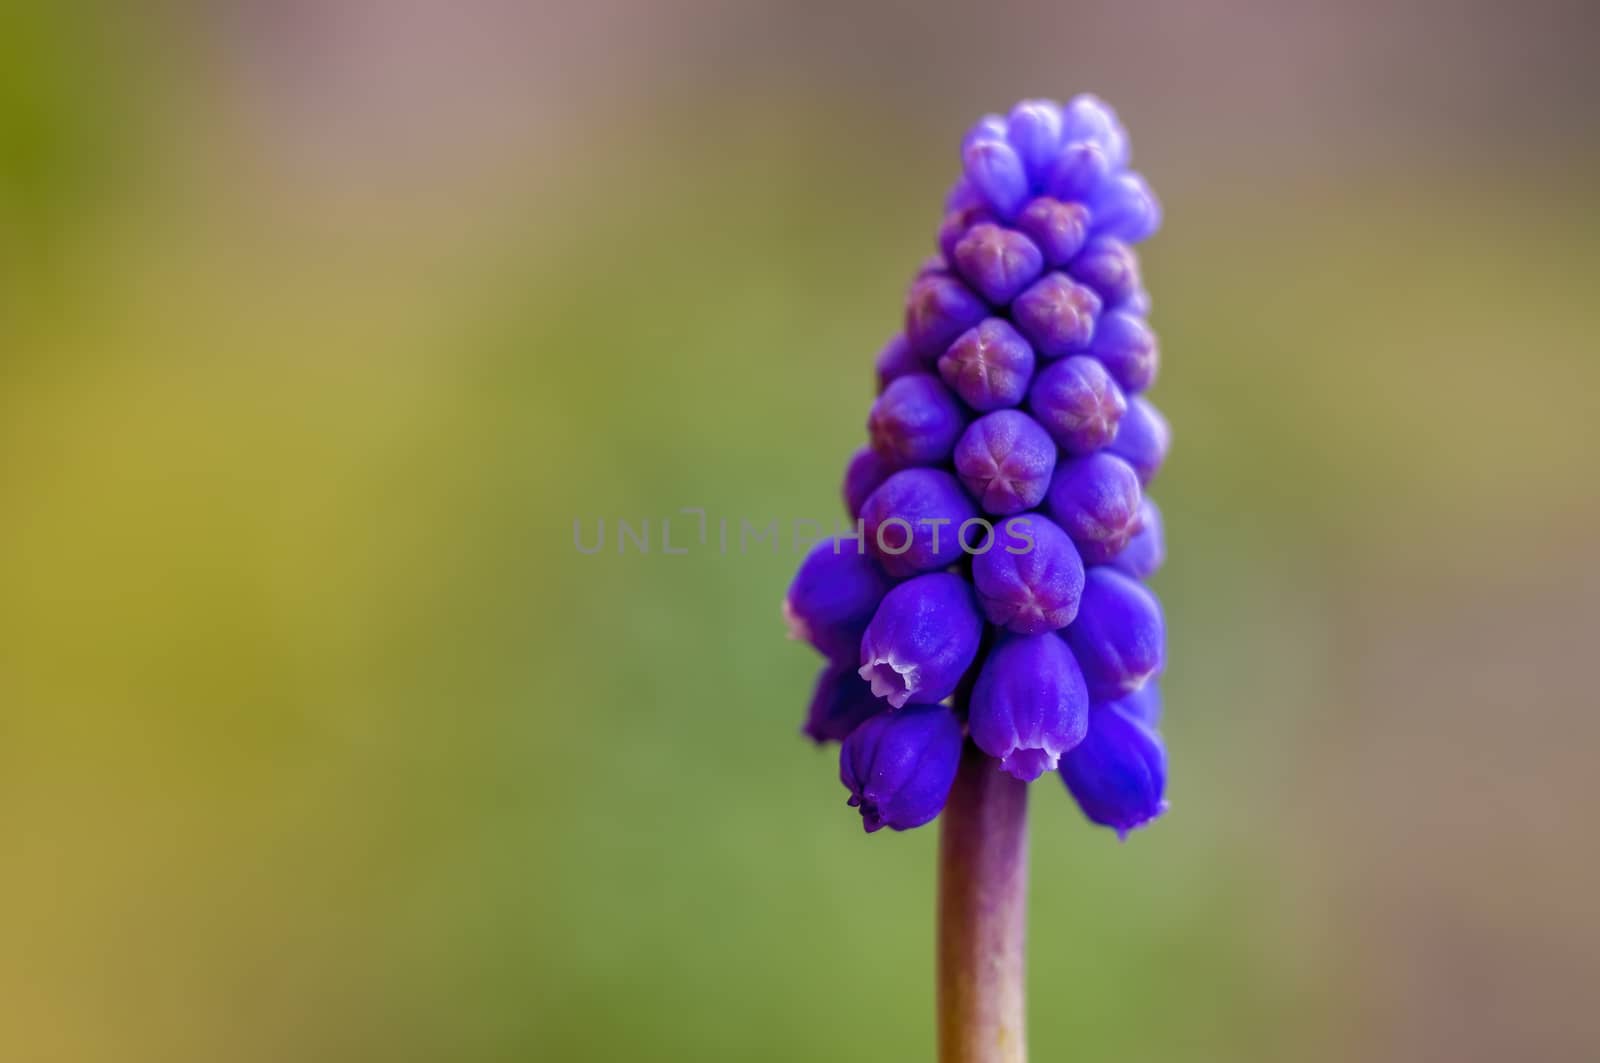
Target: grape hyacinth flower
x=990 y=623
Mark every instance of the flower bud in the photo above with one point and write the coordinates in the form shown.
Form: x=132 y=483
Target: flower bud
x=998 y=263
x=1089 y=118
x=1030 y=578
x=1110 y=267
x=1034 y=130
x=1029 y=704
x=991 y=127
x=911 y=522
x=1096 y=500
x=1057 y=315
x=1118 y=636
x=832 y=597
x=840 y=700
x=1126 y=346
x=1147 y=549
x=1005 y=460
x=1118 y=774
x=1078 y=403
x=916 y=421
x=899 y=766
x=988 y=366
x=895 y=361
x=922 y=640
x=1057 y=229
x=938 y=309
x=1143 y=437
x=862 y=476
x=1124 y=207
x=1143 y=704
x=1080 y=170
x=995 y=170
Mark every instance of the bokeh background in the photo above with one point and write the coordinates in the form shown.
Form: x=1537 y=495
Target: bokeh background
x=321 y=322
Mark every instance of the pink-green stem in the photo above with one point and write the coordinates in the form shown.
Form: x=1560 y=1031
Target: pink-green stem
x=983 y=902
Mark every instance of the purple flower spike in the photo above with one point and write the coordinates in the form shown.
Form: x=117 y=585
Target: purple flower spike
x=1057 y=315
x=1058 y=229
x=1143 y=704
x=938 y=309
x=1110 y=267
x=833 y=596
x=916 y=421
x=1005 y=460
x=1034 y=130
x=998 y=262
x=1126 y=208
x=1146 y=551
x=1143 y=437
x=922 y=640
x=1126 y=346
x=1031 y=578
x=1029 y=705
x=862 y=476
x=913 y=520
x=1089 y=118
x=1118 y=637
x=1079 y=172
x=899 y=767
x=1078 y=403
x=989 y=366
x=895 y=361
x=1118 y=774
x=1096 y=500
x=996 y=171
x=839 y=702
x=957 y=222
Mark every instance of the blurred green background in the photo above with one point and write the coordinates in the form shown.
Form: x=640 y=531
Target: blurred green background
x=321 y=322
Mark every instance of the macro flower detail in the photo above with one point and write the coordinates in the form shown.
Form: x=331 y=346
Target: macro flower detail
x=898 y=766
x=991 y=605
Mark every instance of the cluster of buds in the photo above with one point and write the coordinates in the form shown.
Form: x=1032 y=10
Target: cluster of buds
x=994 y=590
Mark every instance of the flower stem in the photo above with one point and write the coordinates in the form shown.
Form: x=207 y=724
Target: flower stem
x=983 y=902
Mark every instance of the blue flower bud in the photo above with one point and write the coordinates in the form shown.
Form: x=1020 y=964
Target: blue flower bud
x=922 y=640
x=895 y=361
x=1057 y=229
x=1126 y=346
x=862 y=476
x=995 y=170
x=1031 y=578
x=832 y=597
x=840 y=701
x=1118 y=774
x=1078 y=403
x=1096 y=500
x=1110 y=267
x=916 y=421
x=1057 y=315
x=997 y=262
x=938 y=309
x=1118 y=636
x=1089 y=118
x=991 y=127
x=1079 y=173
x=1034 y=130
x=1147 y=549
x=1143 y=437
x=1029 y=704
x=899 y=766
x=1005 y=460
x=988 y=366
x=958 y=221
x=913 y=520
x=1125 y=207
